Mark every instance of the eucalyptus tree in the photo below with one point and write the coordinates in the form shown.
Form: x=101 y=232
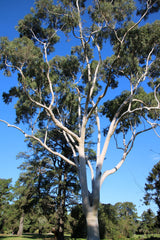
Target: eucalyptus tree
x=110 y=44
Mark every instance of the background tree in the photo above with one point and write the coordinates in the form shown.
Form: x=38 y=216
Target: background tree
x=148 y=222
x=108 y=221
x=53 y=91
x=78 y=222
x=56 y=189
x=115 y=221
x=127 y=218
x=152 y=189
x=6 y=196
x=25 y=195
x=34 y=177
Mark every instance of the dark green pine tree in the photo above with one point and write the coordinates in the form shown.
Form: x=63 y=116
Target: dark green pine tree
x=55 y=188
x=127 y=218
x=112 y=52
x=25 y=193
x=148 y=222
x=152 y=189
x=6 y=195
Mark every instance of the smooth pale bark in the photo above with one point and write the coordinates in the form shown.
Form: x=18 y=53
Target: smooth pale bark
x=90 y=201
x=92 y=224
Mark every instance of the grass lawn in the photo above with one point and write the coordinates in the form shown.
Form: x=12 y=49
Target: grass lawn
x=26 y=237
x=147 y=237
x=51 y=237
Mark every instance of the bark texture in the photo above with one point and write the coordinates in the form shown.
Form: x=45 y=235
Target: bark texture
x=92 y=225
x=20 y=230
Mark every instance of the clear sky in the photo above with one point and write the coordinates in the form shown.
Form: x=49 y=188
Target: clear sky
x=125 y=185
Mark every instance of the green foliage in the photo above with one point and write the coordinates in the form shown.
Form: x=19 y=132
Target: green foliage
x=127 y=218
x=152 y=186
x=78 y=222
x=5 y=191
x=152 y=189
x=5 y=197
x=33 y=23
x=107 y=221
x=155 y=8
x=109 y=20
x=52 y=189
x=138 y=44
x=21 y=51
x=148 y=222
x=113 y=12
x=114 y=221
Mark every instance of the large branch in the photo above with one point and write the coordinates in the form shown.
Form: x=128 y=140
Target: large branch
x=126 y=151
x=118 y=116
x=96 y=72
x=61 y=126
x=72 y=146
x=48 y=109
x=48 y=77
x=43 y=144
x=105 y=90
x=132 y=27
x=50 y=150
x=98 y=134
x=83 y=42
x=113 y=170
x=143 y=105
x=136 y=24
x=130 y=98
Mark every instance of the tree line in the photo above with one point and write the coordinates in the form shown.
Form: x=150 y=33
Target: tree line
x=35 y=204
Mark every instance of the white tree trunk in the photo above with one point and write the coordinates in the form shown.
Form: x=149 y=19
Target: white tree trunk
x=90 y=201
x=92 y=224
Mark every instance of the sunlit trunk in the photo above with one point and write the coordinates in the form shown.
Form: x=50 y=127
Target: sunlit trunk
x=90 y=200
x=92 y=225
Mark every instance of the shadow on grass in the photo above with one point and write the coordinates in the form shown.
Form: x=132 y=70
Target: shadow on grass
x=152 y=238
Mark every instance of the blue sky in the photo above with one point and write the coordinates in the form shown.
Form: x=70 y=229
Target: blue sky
x=125 y=185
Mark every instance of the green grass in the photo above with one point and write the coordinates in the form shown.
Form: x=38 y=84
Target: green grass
x=147 y=237
x=27 y=237
x=51 y=237
x=144 y=237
